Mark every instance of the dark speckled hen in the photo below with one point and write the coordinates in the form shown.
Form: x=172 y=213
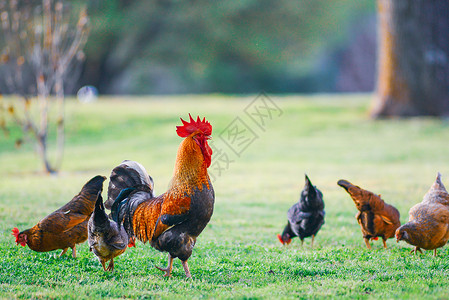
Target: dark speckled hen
x=106 y=239
x=172 y=221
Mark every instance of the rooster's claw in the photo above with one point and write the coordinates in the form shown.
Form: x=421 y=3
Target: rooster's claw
x=166 y=270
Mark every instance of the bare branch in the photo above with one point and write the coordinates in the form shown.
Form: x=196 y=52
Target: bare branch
x=42 y=46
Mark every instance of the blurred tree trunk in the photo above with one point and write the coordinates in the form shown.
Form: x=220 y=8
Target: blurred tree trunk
x=413 y=58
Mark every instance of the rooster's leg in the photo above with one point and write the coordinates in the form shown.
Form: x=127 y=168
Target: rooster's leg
x=63 y=252
x=169 y=267
x=74 y=251
x=111 y=265
x=313 y=237
x=385 y=242
x=435 y=252
x=368 y=245
x=186 y=268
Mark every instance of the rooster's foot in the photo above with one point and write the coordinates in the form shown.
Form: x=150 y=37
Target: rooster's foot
x=169 y=267
x=166 y=270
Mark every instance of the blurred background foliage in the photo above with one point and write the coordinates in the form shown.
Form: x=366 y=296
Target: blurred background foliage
x=283 y=46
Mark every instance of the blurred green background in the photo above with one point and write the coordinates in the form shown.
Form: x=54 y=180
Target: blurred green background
x=178 y=47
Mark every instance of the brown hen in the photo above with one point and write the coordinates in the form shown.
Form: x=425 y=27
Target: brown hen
x=375 y=217
x=65 y=227
x=428 y=226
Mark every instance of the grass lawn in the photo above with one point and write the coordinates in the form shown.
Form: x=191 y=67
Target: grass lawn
x=261 y=175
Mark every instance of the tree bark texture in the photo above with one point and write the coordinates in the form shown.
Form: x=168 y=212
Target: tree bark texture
x=413 y=58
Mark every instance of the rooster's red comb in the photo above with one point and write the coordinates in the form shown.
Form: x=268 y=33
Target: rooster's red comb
x=188 y=128
x=15 y=231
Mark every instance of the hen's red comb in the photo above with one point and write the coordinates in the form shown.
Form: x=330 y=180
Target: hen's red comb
x=280 y=239
x=15 y=231
x=188 y=128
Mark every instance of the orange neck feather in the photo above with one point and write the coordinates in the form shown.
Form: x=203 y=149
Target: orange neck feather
x=190 y=168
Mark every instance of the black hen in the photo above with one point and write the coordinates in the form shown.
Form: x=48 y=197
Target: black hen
x=306 y=217
x=106 y=239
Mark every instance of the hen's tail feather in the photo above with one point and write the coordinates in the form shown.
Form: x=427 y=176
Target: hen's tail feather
x=361 y=197
x=84 y=202
x=344 y=184
x=309 y=188
x=100 y=216
x=94 y=185
x=438 y=184
x=128 y=174
x=311 y=198
x=357 y=193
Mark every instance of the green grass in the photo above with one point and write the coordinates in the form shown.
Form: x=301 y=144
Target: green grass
x=237 y=255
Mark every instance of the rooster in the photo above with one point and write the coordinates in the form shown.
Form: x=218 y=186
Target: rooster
x=428 y=225
x=305 y=217
x=375 y=217
x=65 y=227
x=105 y=238
x=172 y=221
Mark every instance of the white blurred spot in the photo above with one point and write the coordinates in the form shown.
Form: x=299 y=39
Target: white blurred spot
x=87 y=94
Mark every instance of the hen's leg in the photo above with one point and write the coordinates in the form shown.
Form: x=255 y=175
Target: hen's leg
x=313 y=237
x=368 y=245
x=169 y=267
x=186 y=268
x=111 y=265
x=435 y=252
x=415 y=250
x=74 y=251
x=63 y=252
x=102 y=263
